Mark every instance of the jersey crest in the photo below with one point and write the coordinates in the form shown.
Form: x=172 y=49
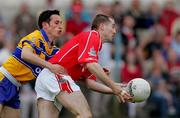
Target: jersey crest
x=92 y=52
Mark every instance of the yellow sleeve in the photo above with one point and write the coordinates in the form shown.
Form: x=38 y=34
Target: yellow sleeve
x=30 y=43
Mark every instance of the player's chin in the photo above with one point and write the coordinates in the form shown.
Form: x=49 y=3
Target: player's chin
x=113 y=36
x=111 y=39
x=58 y=34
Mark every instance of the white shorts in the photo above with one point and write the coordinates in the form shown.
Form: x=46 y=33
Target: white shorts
x=48 y=85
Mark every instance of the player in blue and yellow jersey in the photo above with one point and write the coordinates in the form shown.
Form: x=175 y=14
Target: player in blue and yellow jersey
x=27 y=61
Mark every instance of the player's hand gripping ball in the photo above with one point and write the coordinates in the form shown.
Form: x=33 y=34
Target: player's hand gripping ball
x=139 y=89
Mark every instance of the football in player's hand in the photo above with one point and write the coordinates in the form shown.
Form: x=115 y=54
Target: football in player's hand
x=139 y=89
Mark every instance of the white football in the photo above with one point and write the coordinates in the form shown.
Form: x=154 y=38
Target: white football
x=139 y=89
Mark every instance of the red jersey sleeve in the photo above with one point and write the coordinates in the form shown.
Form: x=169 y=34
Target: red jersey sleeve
x=89 y=47
x=88 y=75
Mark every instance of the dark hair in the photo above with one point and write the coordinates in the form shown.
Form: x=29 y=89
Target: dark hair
x=45 y=16
x=100 y=18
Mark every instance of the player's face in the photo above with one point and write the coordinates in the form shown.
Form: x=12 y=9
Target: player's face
x=55 y=26
x=110 y=30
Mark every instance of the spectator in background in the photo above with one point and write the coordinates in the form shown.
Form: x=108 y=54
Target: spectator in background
x=75 y=24
x=117 y=12
x=168 y=15
x=131 y=69
x=158 y=59
x=6 y=45
x=154 y=40
x=136 y=12
x=165 y=103
x=129 y=39
x=2 y=35
x=7 y=50
x=153 y=14
x=78 y=5
x=175 y=27
x=175 y=45
x=1 y=19
x=173 y=67
x=173 y=57
x=24 y=21
x=103 y=8
x=99 y=8
x=174 y=74
x=50 y=4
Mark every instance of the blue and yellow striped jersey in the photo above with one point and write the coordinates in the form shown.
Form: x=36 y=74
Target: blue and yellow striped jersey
x=22 y=70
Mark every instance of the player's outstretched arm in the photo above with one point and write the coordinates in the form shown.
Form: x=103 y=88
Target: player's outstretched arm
x=98 y=87
x=97 y=70
x=28 y=55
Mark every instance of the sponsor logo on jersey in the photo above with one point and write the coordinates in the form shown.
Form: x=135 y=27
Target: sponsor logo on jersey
x=38 y=70
x=92 y=52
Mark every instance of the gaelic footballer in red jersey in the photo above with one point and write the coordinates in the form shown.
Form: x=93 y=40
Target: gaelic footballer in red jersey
x=79 y=57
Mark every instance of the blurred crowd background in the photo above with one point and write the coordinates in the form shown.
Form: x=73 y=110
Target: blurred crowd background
x=147 y=45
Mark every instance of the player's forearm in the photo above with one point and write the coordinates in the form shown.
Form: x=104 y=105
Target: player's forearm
x=28 y=55
x=98 y=87
x=96 y=69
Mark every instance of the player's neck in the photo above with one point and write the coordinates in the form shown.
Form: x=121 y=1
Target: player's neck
x=51 y=38
x=102 y=36
x=51 y=41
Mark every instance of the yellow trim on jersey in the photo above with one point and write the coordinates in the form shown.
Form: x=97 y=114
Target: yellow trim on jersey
x=27 y=45
x=1 y=76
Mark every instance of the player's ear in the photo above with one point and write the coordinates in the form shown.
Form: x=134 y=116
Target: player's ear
x=101 y=26
x=45 y=25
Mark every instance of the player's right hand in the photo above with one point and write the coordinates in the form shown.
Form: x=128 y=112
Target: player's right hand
x=57 y=69
x=122 y=95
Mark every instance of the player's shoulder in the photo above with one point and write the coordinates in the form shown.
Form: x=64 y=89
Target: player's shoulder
x=35 y=35
x=94 y=32
x=91 y=33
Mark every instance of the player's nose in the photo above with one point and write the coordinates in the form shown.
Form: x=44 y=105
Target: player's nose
x=60 y=27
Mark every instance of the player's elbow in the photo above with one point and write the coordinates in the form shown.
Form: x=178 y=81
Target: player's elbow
x=90 y=65
x=24 y=54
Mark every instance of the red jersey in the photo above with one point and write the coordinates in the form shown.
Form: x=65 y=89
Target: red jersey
x=81 y=49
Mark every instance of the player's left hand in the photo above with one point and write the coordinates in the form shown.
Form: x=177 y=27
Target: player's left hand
x=124 y=96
